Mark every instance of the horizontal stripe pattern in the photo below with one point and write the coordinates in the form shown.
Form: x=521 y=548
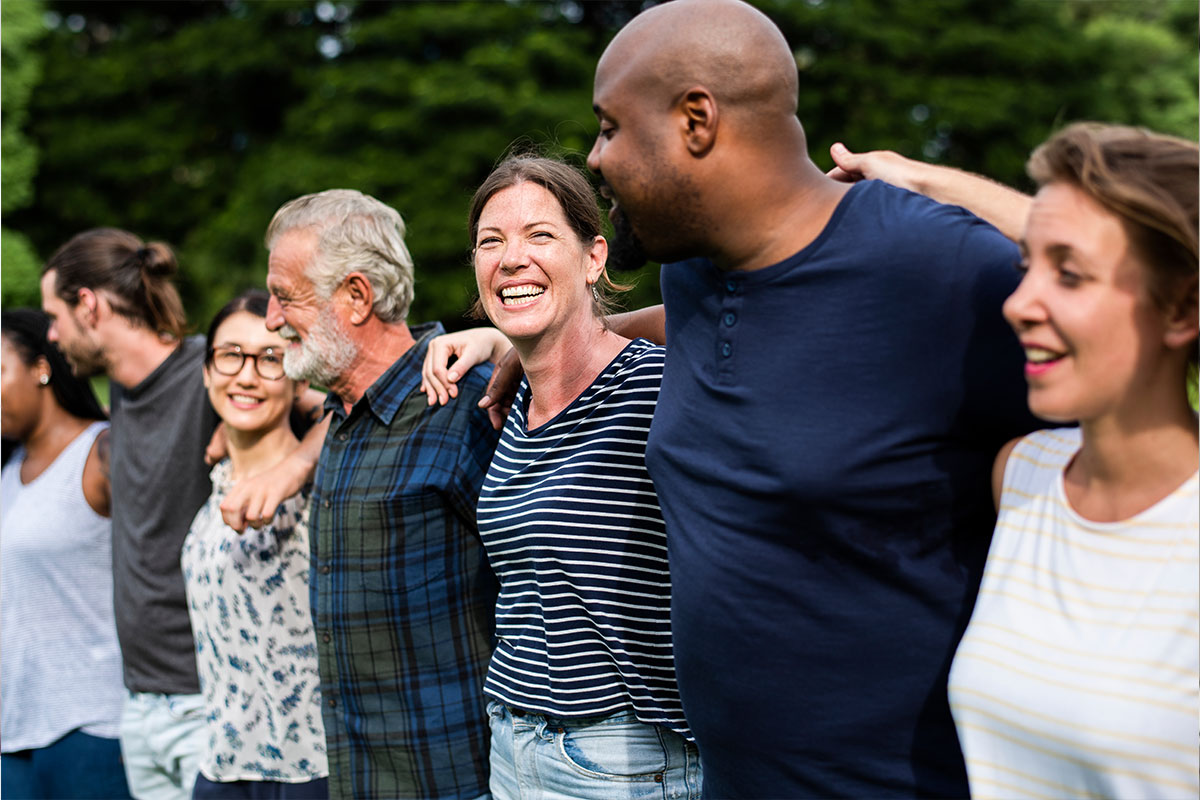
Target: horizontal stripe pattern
x=573 y=531
x=1079 y=674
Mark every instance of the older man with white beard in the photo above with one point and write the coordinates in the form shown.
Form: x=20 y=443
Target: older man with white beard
x=403 y=596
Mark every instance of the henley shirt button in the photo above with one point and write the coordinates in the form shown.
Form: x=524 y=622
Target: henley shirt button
x=726 y=349
x=731 y=286
x=343 y=437
x=324 y=569
x=332 y=702
x=325 y=504
x=730 y=318
x=326 y=637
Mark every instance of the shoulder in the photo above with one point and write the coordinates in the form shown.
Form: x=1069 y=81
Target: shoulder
x=893 y=217
x=642 y=360
x=1035 y=459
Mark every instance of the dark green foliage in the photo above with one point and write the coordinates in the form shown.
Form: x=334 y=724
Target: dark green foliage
x=192 y=122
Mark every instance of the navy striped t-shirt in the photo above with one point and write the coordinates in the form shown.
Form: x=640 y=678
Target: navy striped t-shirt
x=572 y=528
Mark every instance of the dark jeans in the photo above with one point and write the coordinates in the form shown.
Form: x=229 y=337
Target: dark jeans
x=76 y=767
x=260 y=790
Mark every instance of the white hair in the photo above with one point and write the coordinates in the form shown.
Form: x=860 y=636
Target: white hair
x=355 y=233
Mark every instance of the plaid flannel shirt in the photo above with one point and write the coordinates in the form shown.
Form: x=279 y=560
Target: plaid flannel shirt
x=403 y=597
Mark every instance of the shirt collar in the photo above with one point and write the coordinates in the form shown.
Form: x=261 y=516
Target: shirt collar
x=384 y=396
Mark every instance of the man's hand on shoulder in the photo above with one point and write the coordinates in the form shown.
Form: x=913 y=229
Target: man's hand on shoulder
x=253 y=501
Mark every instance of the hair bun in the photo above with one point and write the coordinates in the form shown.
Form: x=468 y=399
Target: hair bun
x=156 y=259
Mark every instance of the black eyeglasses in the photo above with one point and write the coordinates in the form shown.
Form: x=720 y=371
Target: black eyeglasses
x=230 y=360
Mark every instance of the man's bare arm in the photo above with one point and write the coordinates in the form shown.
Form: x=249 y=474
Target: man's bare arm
x=253 y=501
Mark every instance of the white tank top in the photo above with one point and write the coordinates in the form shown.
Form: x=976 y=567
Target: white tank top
x=1079 y=674
x=60 y=666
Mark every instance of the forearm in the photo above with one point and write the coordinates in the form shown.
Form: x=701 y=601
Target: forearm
x=1005 y=208
x=308 y=452
x=647 y=323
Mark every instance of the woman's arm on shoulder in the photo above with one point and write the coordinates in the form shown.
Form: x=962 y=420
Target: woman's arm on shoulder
x=994 y=202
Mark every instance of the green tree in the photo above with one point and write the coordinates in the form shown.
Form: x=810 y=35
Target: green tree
x=192 y=122
x=20 y=28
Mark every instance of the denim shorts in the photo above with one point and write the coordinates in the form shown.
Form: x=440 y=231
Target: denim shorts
x=535 y=757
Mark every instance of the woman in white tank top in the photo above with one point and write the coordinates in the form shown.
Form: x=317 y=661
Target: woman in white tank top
x=60 y=676
x=1079 y=674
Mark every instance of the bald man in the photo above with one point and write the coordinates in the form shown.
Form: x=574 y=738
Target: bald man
x=838 y=380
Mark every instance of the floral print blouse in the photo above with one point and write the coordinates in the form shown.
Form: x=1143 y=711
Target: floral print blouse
x=256 y=651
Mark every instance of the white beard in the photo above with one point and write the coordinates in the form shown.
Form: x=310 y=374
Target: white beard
x=324 y=355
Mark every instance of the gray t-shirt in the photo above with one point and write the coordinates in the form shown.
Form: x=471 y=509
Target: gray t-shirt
x=159 y=481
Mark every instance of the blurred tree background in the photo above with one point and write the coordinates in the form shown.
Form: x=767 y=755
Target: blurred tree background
x=191 y=122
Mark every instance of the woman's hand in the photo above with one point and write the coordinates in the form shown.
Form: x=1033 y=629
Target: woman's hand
x=439 y=380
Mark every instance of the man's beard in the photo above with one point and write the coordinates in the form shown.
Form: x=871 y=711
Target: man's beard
x=324 y=355
x=626 y=251
x=84 y=355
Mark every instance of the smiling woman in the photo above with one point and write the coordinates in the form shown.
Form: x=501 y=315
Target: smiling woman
x=567 y=513
x=254 y=666
x=1078 y=673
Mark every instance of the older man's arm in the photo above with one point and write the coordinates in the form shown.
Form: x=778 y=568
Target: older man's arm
x=253 y=501
x=1003 y=207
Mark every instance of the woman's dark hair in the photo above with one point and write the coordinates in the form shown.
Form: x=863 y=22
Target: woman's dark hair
x=1151 y=182
x=135 y=276
x=25 y=329
x=574 y=195
x=252 y=301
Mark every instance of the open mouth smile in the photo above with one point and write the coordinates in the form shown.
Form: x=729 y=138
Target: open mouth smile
x=521 y=295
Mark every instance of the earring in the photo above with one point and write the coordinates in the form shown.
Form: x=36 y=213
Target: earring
x=44 y=379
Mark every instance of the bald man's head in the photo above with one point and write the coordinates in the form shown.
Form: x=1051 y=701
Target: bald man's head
x=730 y=48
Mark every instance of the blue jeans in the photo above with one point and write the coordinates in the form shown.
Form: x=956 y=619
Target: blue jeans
x=163 y=738
x=606 y=758
x=76 y=766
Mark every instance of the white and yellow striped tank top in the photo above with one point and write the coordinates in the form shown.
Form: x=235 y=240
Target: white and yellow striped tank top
x=1079 y=674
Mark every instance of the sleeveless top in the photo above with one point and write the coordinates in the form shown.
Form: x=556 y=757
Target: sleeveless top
x=60 y=665
x=1079 y=674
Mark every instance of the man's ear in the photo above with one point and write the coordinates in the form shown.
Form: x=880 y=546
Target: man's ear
x=698 y=111
x=1183 y=322
x=361 y=296
x=89 y=308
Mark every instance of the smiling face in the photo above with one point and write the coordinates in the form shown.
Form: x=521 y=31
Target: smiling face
x=642 y=167
x=318 y=347
x=247 y=401
x=1093 y=339
x=21 y=394
x=533 y=272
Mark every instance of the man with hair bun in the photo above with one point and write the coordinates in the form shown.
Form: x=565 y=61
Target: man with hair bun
x=115 y=312
x=403 y=597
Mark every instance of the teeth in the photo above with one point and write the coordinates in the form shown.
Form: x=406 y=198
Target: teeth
x=243 y=398
x=519 y=295
x=1039 y=355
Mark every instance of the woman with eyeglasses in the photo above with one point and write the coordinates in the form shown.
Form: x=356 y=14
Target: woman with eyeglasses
x=248 y=593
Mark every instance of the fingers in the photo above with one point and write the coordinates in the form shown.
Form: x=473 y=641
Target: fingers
x=502 y=388
x=233 y=512
x=217 y=448
x=848 y=169
x=243 y=509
